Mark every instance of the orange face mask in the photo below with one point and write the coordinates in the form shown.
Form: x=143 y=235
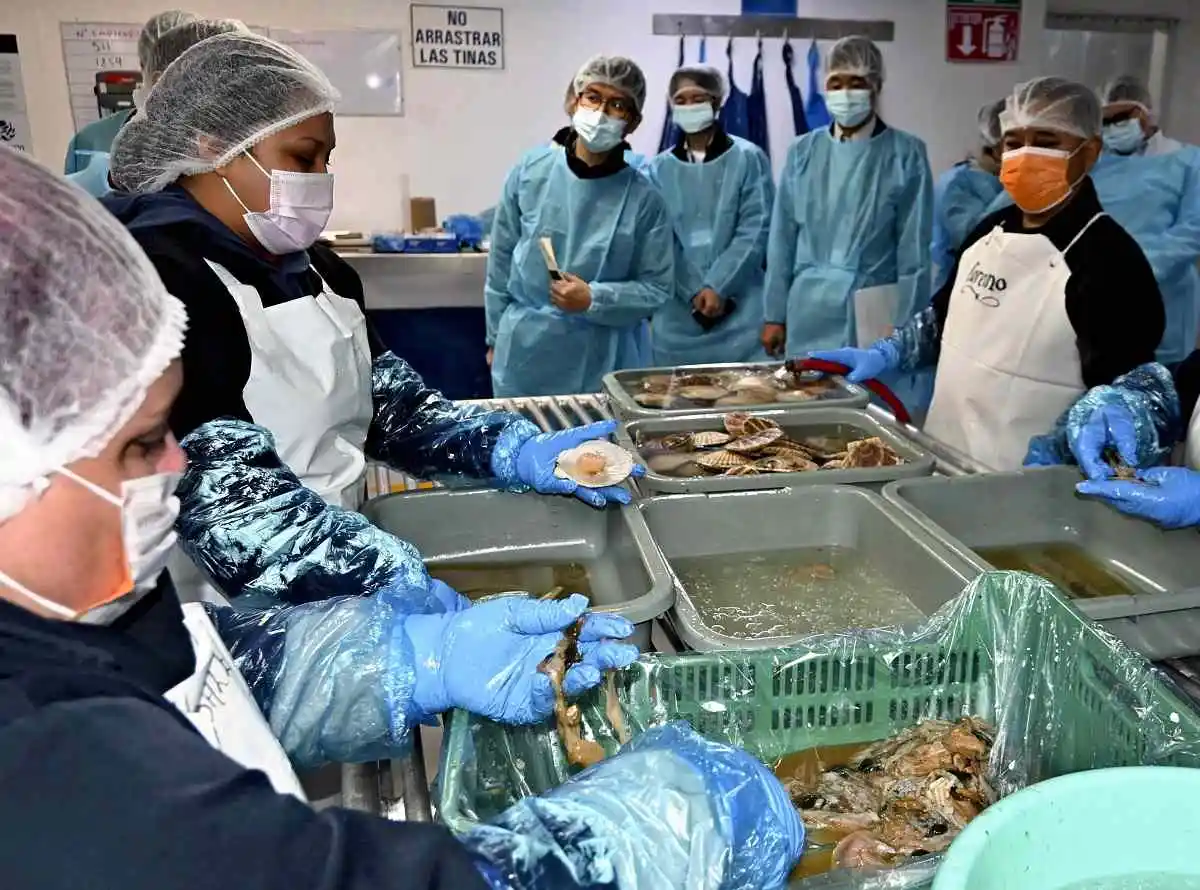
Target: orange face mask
x=1036 y=178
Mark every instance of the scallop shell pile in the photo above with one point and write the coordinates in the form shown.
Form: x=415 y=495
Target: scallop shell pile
x=751 y=446
x=729 y=389
x=595 y=464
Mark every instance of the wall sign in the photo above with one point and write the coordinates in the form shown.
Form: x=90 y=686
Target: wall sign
x=457 y=37
x=982 y=30
x=88 y=49
x=14 y=122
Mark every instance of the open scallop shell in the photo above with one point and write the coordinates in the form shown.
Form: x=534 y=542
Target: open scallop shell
x=595 y=464
x=755 y=441
x=721 y=460
x=710 y=439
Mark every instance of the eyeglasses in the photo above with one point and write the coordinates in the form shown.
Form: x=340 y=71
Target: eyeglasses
x=617 y=107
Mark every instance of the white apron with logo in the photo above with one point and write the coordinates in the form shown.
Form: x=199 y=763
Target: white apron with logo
x=1192 y=444
x=1009 y=362
x=216 y=700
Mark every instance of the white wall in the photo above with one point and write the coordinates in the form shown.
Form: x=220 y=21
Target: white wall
x=463 y=129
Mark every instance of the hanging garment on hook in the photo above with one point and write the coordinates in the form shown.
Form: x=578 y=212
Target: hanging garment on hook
x=814 y=107
x=670 y=132
x=756 y=106
x=799 y=121
x=735 y=113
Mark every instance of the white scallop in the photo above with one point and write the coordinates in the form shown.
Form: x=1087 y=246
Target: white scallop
x=618 y=464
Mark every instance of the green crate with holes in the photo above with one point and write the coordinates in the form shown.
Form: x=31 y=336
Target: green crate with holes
x=1063 y=695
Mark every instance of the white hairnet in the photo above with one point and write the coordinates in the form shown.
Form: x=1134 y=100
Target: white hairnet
x=989 y=122
x=1053 y=103
x=86 y=327
x=857 y=56
x=156 y=28
x=706 y=77
x=1127 y=88
x=221 y=97
x=617 y=72
x=178 y=40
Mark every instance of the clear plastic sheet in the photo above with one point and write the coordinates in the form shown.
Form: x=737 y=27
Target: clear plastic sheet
x=1063 y=695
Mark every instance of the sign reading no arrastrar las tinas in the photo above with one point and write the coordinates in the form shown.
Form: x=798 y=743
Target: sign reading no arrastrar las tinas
x=457 y=37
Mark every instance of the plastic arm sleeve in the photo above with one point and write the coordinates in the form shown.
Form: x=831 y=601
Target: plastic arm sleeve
x=747 y=252
x=781 y=249
x=257 y=531
x=334 y=679
x=914 y=233
x=1174 y=251
x=917 y=343
x=505 y=232
x=652 y=281
x=416 y=430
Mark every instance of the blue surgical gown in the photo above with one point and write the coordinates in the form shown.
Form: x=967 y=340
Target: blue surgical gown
x=614 y=233
x=1157 y=200
x=961 y=198
x=93 y=178
x=721 y=211
x=97 y=136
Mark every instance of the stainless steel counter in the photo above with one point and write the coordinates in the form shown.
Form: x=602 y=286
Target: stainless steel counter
x=420 y=281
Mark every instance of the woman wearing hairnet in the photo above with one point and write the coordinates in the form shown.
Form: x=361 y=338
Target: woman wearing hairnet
x=1048 y=297
x=963 y=194
x=848 y=256
x=225 y=170
x=719 y=192
x=611 y=237
x=133 y=756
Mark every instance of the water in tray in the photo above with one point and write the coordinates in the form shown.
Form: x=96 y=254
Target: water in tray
x=475 y=581
x=776 y=593
x=1068 y=566
x=1142 y=881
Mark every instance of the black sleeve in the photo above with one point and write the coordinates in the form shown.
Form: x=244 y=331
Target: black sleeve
x=1113 y=302
x=1187 y=384
x=344 y=281
x=117 y=793
x=941 y=299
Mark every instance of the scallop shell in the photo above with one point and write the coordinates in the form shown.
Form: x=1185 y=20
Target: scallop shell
x=796 y=395
x=654 y=399
x=752 y=442
x=615 y=464
x=775 y=465
x=702 y=393
x=735 y=423
x=870 y=452
x=710 y=438
x=676 y=442
x=758 y=425
x=658 y=383
x=743 y=470
x=752 y=382
x=722 y=460
x=696 y=380
x=797 y=460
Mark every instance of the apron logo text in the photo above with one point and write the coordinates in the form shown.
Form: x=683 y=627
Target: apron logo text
x=985 y=286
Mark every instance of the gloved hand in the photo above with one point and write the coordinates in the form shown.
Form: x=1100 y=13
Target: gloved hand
x=864 y=364
x=1171 y=498
x=671 y=809
x=537 y=457
x=485 y=659
x=1090 y=434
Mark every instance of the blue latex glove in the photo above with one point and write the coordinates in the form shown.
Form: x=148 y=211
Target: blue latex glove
x=537 y=457
x=864 y=364
x=1171 y=499
x=485 y=659
x=670 y=810
x=1110 y=426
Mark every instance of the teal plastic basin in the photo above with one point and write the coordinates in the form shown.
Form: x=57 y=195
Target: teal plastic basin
x=1107 y=829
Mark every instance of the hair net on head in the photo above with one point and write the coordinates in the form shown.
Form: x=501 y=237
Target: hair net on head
x=1127 y=88
x=617 y=72
x=86 y=327
x=858 y=56
x=156 y=28
x=220 y=98
x=1053 y=103
x=178 y=40
x=989 y=122
x=707 y=78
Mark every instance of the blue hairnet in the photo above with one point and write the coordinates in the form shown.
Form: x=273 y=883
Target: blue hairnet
x=706 y=77
x=1053 y=103
x=858 y=56
x=617 y=72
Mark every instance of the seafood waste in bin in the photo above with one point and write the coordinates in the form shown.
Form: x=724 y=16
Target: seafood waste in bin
x=753 y=445
x=876 y=805
x=730 y=389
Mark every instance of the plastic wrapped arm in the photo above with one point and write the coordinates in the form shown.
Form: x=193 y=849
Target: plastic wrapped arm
x=505 y=232
x=746 y=253
x=781 y=246
x=915 y=344
x=256 y=530
x=652 y=275
x=671 y=810
x=417 y=430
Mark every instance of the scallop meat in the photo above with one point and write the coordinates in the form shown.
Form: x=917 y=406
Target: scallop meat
x=595 y=464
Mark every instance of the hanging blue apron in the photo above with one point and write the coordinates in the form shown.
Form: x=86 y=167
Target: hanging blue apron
x=756 y=106
x=799 y=121
x=670 y=133
x=735 y=113
x=814 y=108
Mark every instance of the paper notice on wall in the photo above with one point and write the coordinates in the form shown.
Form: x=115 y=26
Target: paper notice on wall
x=457 y=37
x=88 y=49
x=14 y=122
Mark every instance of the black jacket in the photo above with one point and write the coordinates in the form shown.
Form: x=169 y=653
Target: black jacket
x=105 y=786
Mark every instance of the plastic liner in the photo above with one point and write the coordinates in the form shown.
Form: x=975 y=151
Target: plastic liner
x=1063 y=694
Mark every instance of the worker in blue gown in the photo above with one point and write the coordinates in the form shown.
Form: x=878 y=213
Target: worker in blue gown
x=719 y=191
x=612 y=240
x=1151 y=185
x=962 y=195
x=848 y=256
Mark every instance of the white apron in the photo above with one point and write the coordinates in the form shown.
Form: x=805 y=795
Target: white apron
x=1192 y=445
x=1009 y=363
x=216 y=700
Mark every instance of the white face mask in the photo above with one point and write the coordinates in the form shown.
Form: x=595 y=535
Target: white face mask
x=599 y=131
x=300 y=207
x=149 y=509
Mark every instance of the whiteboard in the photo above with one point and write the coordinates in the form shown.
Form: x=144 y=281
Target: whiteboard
x=364 y=65
x=91 y=47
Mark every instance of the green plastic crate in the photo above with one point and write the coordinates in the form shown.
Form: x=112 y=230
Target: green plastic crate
x=1065 y=697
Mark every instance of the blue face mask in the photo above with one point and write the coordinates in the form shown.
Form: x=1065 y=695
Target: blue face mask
x=1125 y=137
x=693 y=118
x=849 y=107
x=598 y=131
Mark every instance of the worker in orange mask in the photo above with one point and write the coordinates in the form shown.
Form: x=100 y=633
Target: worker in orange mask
x=1049 y=297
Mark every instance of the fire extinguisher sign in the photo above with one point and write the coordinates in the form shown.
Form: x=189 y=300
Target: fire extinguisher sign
x=982 y=30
